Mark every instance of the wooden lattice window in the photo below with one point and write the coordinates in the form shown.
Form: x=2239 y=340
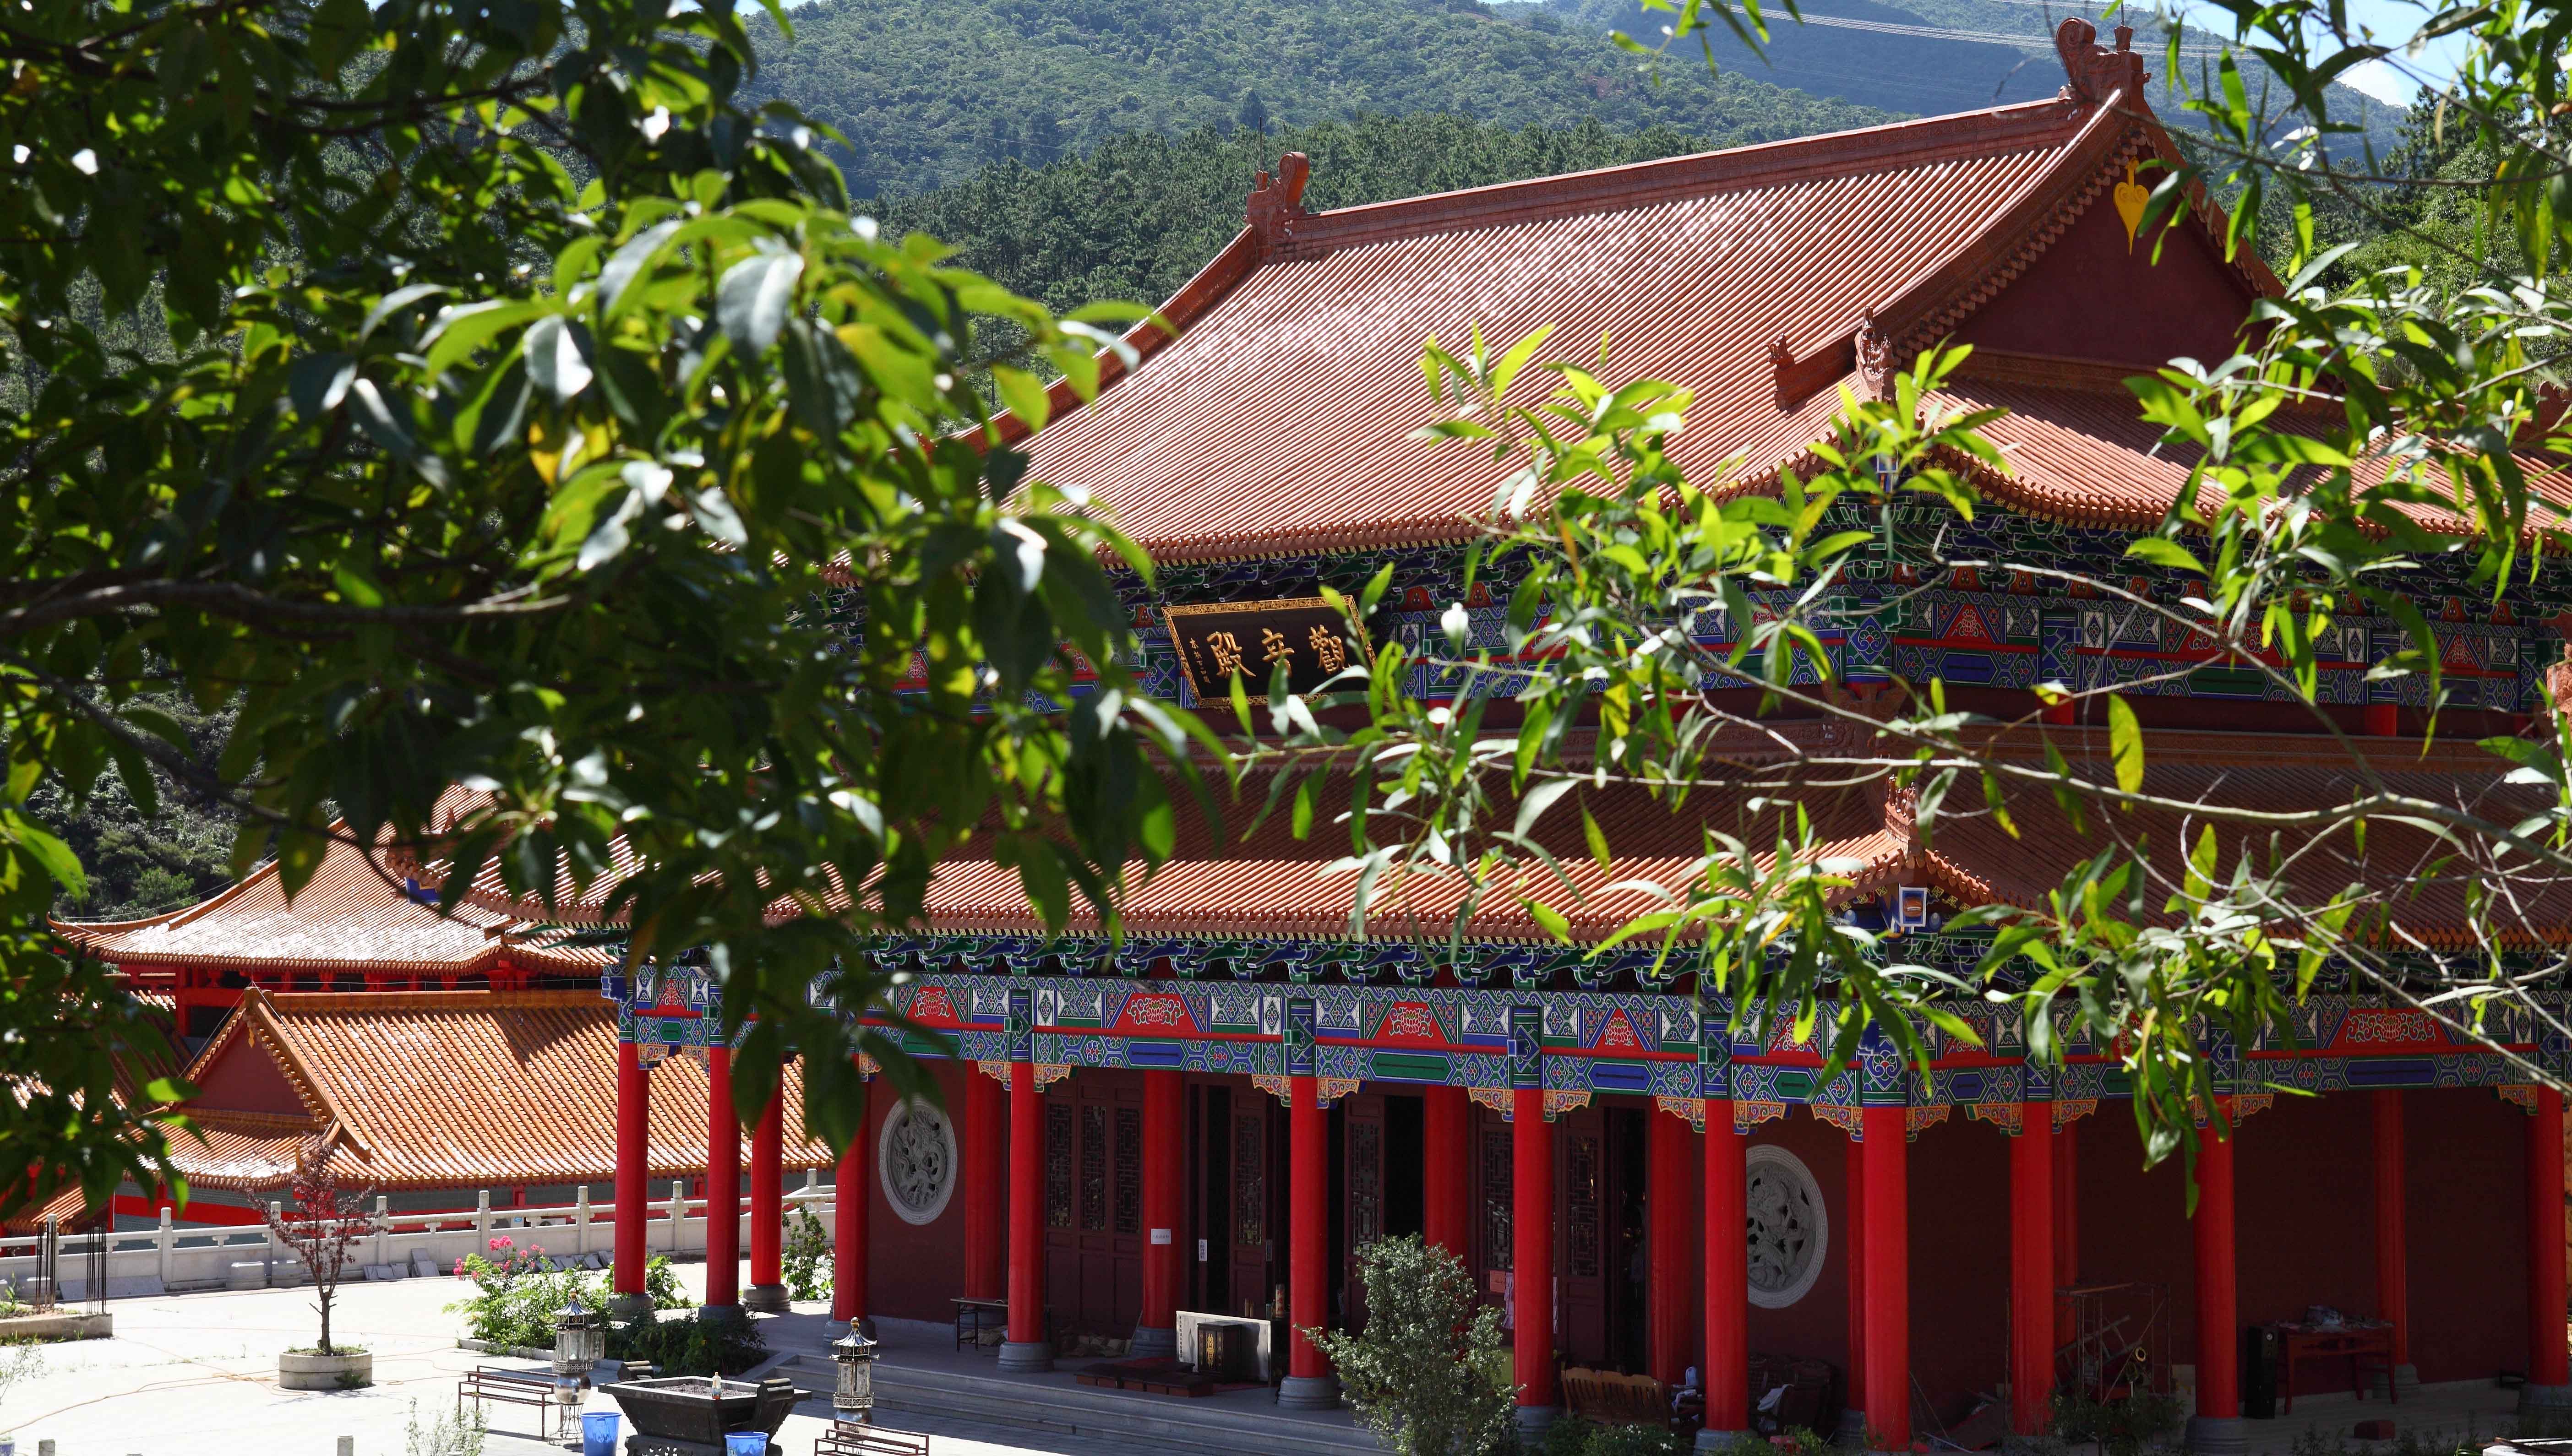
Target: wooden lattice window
x=1249 y=1181
x=1093 y=1169
x=1584 y=1168
x=1498 y=1195
x=1058 y=1191
x=1129 y=1169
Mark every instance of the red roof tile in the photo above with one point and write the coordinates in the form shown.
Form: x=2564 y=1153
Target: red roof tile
x=446 y=1089
x=351 y=917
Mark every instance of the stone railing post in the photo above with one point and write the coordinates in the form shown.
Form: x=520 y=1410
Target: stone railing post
x=161 y=1248
x=580 y=1220
x=482 y=1218
x=383 y=1230
x=678 y=1215
x=276 y=1210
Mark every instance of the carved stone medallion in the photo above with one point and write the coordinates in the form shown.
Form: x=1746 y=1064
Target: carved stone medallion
x=916 y=1161
x=1789 y=1230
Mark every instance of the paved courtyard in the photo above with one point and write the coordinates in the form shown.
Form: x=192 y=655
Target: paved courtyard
x=196 y=1375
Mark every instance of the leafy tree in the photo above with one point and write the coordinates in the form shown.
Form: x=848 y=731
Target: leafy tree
x=142 y=863
x=320 y=1224
x=1419 y=1373
x=1253 y=113
x=517 y=407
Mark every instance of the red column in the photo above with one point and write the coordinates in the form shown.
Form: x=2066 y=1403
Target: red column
x=2392 y=1265
x=1854 y=1241
x=1027 y=1348
x=767 y=1207
x=1447 y=1180
x=633 y=1157
x=850 y=1189
x=2032 y=1270
x=2546 y=1354
x=1309 y=1381
x=1886 y=1232
x=2217 y=1424
x=987 y=1247
x=1156 y=1331
x=1669 y=1212
x=2067 y=1224
x=1728 y=1276
x=1532 y=1250
x=723 y=1184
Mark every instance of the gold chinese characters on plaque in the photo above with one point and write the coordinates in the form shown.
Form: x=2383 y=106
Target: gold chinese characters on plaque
x=1221 y=639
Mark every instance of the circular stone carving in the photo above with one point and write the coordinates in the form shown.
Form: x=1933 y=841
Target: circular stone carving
x=916 y=1161
x=1789 y=1230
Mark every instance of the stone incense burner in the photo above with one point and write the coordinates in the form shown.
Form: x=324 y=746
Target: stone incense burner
x=684 y=1416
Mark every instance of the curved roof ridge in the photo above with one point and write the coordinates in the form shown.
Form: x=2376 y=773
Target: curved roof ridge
x=1887 y=146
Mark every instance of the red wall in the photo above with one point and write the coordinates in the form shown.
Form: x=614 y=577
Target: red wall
x=2305 y=1220
x=1960 y=1231
x=913 y=1269
x=246 y=1079
x=2090 y=297
x=1815 y=1326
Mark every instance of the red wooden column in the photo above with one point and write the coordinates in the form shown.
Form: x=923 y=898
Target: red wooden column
x=986 y=1245
x=851 y=1187
x=2393 y=1262
x=1165 y=1157
x=1309 y=1383
x=1670 y=1218
x=723 y=1188
x=1886 y=1233
x=2549 y=1388
x=2067 y=1224
x=2215 y=1428
x=1727 y=1281
x=633 y=1157
x=1027 y=1348
x=1447 y=1180
x=2032 y=1269
x=768 y=1208
x=1853 y=1412
x=1531 y=1222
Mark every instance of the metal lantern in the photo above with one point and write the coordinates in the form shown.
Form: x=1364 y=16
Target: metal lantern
x=580 y=1341
x=855 y=1355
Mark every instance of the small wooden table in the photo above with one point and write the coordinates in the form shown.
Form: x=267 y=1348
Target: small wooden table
x=2365 y=1346
x=972 y=1317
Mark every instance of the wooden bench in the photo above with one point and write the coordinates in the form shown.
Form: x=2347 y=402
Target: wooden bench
x=972 y=1317
x=1612 y=1399
x=514 y=1388
x=848 y=1438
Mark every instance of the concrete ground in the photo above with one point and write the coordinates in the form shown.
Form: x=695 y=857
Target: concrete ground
x=196 y=1375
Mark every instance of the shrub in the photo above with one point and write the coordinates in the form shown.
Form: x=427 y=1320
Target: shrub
x=807 y=1256
x=458 y=1435
x=2117 y=1427
x=689 y=1346
x=661 y=1285
x=514 y=1298
x=1414 y=1374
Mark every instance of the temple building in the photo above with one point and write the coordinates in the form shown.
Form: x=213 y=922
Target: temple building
x=439 y=1060
x=1215 y=1113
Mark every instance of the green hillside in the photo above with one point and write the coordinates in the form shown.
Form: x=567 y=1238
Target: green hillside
x=1135 y=217
x=928 y=91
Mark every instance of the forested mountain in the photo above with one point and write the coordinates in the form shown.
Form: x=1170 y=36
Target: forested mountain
x=928 y=91
x=1932 y=57
x=1134 y=218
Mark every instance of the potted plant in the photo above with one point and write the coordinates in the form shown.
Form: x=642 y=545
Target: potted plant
x=320 y=1224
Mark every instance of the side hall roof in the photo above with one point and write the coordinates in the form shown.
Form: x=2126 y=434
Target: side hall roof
x=438 y=1090
x=355 y=916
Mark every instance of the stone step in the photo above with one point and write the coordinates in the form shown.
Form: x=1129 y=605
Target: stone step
x=1197 y=1428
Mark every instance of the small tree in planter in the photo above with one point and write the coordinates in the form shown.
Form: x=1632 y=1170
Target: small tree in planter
x=320 y=1224
x=1419 y=1374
